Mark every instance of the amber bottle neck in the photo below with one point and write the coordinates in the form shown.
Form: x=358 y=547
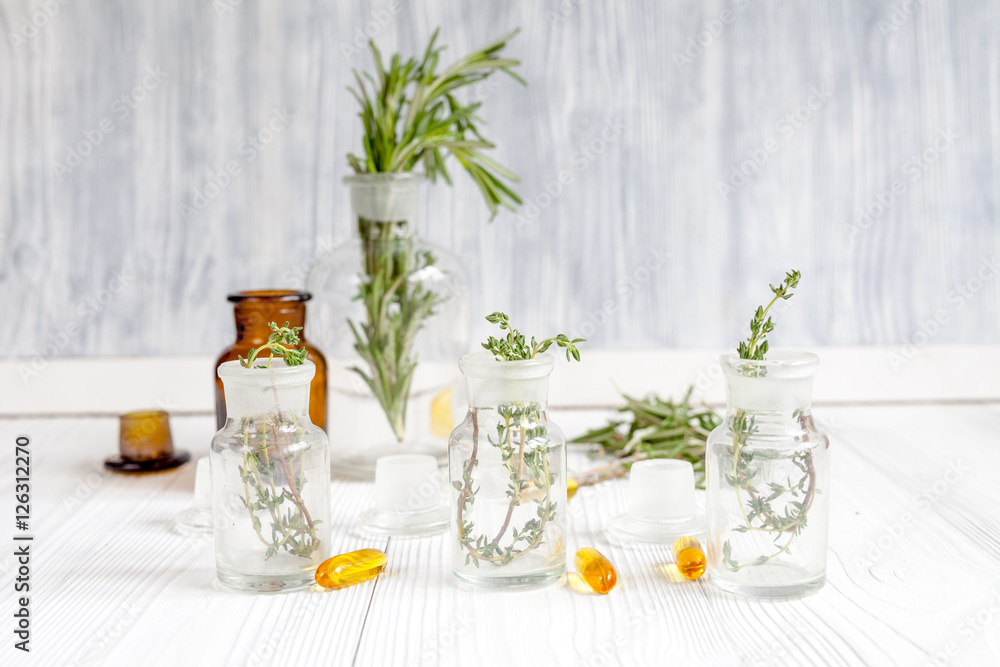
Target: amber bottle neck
x=252 y=319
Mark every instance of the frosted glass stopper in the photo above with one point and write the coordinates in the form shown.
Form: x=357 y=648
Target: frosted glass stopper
x=661 y=490
x=407 y=483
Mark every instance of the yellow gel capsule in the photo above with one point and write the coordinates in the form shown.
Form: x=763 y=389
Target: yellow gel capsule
x=571 y=487
x=690 y=557
x=596 y=570
x=349 y=569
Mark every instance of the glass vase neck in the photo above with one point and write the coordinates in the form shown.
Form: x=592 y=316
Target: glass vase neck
x=254 y=309
x=781 y=384
x=257 y=392
x=385 y=204
x=492 y=383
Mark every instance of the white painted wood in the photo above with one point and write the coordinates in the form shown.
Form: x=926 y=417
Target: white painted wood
x=673 y=131
x=913 y=565
x=110 y=386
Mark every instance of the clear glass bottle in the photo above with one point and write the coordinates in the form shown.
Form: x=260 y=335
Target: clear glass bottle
x=389 y=299
x=768 y=481
x=507 y=467
x=270 y=480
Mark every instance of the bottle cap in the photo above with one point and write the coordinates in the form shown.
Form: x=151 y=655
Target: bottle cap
x=661 y=504
x=409 y=501
x=145 y=444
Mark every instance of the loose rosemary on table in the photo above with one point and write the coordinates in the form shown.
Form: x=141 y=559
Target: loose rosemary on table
x=655 y=429
x=412 y=117
x=292 y=528
x=523 y=442
x=757 y=508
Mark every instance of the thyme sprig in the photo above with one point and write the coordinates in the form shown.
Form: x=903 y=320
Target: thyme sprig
x=513 y=347
x=654 y=429
x=283 y=342
x=755 y=347
x=761 y=511
x=266 y=465
x=524 y=448
x=522 y=438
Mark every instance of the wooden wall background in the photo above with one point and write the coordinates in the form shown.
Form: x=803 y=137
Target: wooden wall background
x=892 y=77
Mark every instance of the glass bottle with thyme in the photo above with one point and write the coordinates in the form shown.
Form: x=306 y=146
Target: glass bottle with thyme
x=507 y=467
x=768 y=472
x=270 y=472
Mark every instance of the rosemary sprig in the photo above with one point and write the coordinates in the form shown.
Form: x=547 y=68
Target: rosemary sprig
x=514 y=348
x=412 y=116
x=758 y=510
x=655 y=429
x=396 y=308
x=266 y=464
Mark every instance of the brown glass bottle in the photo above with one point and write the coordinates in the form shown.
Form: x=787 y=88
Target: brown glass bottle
x=254 y=309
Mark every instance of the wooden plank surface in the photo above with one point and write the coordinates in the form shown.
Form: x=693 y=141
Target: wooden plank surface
x=677 y=119
x=913 y=569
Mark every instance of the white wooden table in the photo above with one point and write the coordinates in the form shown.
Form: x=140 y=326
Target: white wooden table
x=914 y=567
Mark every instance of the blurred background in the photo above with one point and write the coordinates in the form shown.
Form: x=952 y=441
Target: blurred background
x=675 y=157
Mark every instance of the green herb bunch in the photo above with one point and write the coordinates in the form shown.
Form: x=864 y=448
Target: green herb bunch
x=283 y=342
x=780 y=510
x=413 y=116
x=524 y=447
x=396 y=308
x=654 y=429
x=755 y=347
x=522 y=438
x=267 y=466
x=514 y=347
